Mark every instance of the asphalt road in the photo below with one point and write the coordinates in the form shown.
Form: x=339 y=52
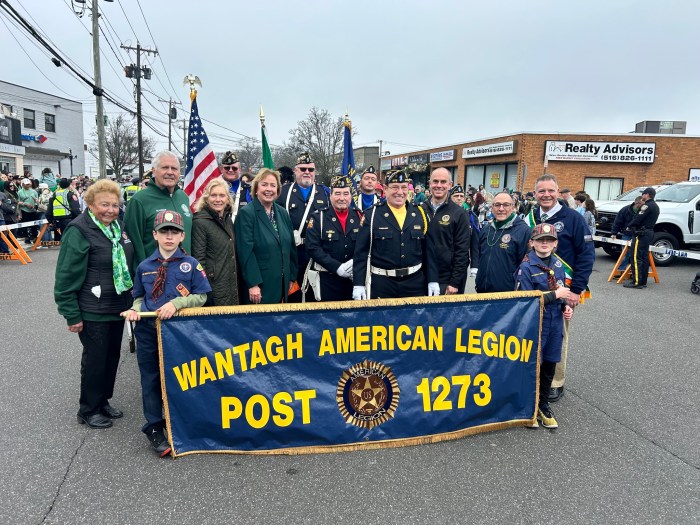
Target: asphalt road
x=627 y=450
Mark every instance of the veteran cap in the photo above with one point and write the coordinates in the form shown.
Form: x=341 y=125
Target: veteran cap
x=542 y=231
x=457 y=189
x=396 y=176
x=340 y=181
x=370 y=169
x=304 y=158
x=229 y=158
x=168 y=218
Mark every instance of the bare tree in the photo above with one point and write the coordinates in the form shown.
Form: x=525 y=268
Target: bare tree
x=284 y=155
x=322 y=136
x=121 y=146
x=250 y=155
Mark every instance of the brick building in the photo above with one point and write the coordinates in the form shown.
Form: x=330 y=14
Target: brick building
x=604 y=165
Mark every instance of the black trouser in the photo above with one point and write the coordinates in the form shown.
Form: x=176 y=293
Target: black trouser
x=29 y=232
x=397 y=287
x=640 y=257
x=61 y=224
x=102 y=343
x=547 y=369
x=335 y=288
x=302 y=262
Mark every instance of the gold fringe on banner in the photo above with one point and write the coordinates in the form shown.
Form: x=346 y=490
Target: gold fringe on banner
x=347 y=305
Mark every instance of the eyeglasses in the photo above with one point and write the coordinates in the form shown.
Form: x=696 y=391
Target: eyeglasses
x=501 y=205
x=310 y=170
x=230 y=168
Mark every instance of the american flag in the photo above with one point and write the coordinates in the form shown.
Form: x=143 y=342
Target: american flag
x=201 y=162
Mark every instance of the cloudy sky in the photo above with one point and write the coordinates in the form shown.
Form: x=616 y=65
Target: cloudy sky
x=412 y=73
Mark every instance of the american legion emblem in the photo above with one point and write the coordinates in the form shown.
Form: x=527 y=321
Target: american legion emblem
x=367 y=394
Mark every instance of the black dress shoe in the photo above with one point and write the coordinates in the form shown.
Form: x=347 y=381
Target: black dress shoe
x=630 y=284
x=94 y=421
x=555 y=394
x=111 y=412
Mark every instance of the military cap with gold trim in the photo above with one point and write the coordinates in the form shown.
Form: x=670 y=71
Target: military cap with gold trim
x=457 y=189
x=370 y=169
x=229 y=158
x=304 y=158
x=543 y=231
x=340 y=181
x=396 y=176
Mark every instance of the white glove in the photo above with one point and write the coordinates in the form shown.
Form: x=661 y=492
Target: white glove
x=359 y=293
x=473 y=271
x=433 y=289
x=345 y=269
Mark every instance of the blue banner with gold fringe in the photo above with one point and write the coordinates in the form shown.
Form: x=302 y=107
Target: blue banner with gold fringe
x=342 y=376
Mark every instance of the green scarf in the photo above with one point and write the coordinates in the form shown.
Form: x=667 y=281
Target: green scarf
x=122 y=278
x=499 y=224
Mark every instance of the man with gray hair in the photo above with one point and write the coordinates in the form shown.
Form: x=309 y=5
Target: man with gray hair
x=161 y=193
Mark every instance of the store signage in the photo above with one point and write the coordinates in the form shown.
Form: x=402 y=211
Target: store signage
x=440 y=156
x=418 y=159
x=10 y=148
x=385 y=164
x=694 y=175
x=34 y=138
x=488 y=150
x=636 y=152
x=399 y=161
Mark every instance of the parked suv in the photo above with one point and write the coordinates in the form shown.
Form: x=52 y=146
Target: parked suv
x=678 y=225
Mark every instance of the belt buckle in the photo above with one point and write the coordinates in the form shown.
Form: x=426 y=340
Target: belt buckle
x=402 y=272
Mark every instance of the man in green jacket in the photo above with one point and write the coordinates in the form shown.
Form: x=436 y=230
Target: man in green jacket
x=161 y=193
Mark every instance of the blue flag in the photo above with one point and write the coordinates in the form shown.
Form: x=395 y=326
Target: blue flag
x=348 y=167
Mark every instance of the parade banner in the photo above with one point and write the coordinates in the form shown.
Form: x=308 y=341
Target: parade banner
x=337 y=376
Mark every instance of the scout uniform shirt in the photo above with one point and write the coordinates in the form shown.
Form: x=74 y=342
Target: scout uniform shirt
x=184 y=277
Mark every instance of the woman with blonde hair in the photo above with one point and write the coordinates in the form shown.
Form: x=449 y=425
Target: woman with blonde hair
x=213 y=242
x=93 y=285
x=267 y=254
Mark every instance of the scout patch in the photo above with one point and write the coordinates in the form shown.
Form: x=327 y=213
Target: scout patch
x=184 y=292
x=185 y=267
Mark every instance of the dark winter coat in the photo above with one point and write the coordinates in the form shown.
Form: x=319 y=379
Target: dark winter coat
x=213 y=245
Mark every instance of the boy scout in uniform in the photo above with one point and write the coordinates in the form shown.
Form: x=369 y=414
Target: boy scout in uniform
x=165 y=282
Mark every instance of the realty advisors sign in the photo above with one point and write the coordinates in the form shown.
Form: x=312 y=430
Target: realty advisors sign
x=488 y=150
x=637 y=152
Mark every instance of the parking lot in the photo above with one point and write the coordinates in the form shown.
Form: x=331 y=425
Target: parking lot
x=627 y=449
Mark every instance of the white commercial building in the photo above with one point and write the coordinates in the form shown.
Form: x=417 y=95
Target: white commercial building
x=39 y=130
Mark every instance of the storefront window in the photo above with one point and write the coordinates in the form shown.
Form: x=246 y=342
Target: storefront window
x=495 y=177
x=475 y=176
x=29 y=119
x=603 y=189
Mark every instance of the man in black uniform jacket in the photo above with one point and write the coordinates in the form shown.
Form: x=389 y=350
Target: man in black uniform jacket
x=448 y=238
x=388 y=260
x=641 y=227
x=330 y=242
x=301 y=199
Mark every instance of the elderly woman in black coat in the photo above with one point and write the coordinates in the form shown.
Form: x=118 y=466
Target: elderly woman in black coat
x=213 y=243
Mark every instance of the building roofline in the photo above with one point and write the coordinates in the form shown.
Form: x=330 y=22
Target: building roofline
x=504 y=135
x=42 y=92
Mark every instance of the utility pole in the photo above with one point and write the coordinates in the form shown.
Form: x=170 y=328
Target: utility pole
x=71 y=157
x=184 y=139
x=102 y=160
x=379 y=177
x=172 y=116
x=138 y=72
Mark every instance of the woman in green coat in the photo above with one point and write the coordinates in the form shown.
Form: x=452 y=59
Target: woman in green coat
x=267 y=255
x=213 y=242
